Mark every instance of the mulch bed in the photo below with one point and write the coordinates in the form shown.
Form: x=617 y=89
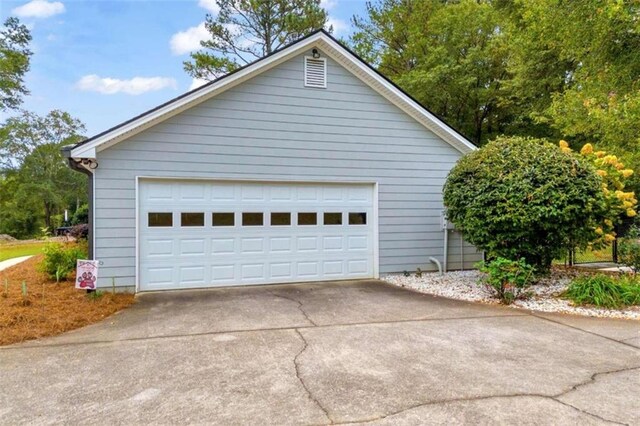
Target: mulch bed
x=49 y=308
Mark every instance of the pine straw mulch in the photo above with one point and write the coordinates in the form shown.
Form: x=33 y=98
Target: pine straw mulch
x=49 y=308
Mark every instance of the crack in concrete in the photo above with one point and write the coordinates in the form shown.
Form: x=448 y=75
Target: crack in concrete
x=300 y=308
x=296 y=364
x=477 y=398
x=593 y=379
x=25 y=345
x=584 y=331
x=555 y=398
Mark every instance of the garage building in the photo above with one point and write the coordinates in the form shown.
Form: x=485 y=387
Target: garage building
x=307 y=165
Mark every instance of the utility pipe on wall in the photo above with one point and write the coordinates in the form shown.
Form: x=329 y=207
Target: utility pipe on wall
x=446 y=248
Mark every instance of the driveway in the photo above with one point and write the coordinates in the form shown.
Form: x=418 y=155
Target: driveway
x=351 y=352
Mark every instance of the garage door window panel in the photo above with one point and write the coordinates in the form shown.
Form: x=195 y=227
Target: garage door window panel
x=333 y=218
x=188 y=219
x=252 y=219
x=307 y=218
x=223 y=219
x=280 y=219
x=357 y=218
x=161 y=219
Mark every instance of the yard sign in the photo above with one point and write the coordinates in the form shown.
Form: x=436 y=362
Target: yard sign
x=86 y=274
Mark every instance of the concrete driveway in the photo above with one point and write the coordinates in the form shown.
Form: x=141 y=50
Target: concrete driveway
x=352 y=352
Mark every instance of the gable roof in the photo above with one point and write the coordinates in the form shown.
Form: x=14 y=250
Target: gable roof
x=320 y=39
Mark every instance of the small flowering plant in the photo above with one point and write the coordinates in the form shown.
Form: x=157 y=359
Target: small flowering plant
x=618 y=201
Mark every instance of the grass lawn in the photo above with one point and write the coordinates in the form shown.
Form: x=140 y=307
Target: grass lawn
x=49 y=308
x=10 y=250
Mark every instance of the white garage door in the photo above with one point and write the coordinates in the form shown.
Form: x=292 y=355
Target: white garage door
x=204 y=234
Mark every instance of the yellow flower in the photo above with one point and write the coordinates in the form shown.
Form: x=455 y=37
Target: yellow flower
x=627 y=204
x=620 y=195
x=611 y=159
x=602 y=173
x=600 y=154
x=566 y=150
x=627 y=173
x=563 y=144
x=608 y=238
x=586 y=149
x=599 y=230
x=631 y=212
x=619 y=166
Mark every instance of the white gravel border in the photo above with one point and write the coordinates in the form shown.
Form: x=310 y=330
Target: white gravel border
x=463 y=285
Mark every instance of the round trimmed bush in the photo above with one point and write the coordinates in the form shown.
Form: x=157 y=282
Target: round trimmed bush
x=525 y=198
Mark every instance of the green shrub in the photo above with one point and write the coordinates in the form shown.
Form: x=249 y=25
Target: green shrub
x=629 y=250
x=604 y=291
x=60 y=260
x=508 y=279
x=525 y=198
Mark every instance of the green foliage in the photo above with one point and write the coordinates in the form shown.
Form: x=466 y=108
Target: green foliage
x=508 y=279
x=539 y=68
x=60 y=260
x=81 y=215
x=604 y=291
x=245 y=30
x=9 y=251
x=629 y=249
x=37 y=184
x=14 y=63
x=95 y=295
x=525 y=198
x=451 y=56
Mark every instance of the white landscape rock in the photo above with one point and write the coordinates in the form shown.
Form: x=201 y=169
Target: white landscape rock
x=463 y=285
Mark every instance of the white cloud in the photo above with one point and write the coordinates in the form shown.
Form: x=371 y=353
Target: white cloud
x=326 y=4
x=39 y=9
x=197 y=82
x=210 y=5
x=339 y=26
x=134 y=86
x=188 y=40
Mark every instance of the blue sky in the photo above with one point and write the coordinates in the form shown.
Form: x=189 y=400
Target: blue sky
x=106 y=61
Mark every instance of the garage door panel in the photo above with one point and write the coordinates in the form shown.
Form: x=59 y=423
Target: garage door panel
x=280 y=245
x=307 y=244
x=332 y=243
x=252 y=271
x=159 y=248
x=223 y=246
x=233 y=253
x=192 y=247
x=223 y=273
x=358 y=242
x=358 y=266
x=192 y=275
x=253 y=245
x=307 y=269
x=333 y=268
x=281 y=271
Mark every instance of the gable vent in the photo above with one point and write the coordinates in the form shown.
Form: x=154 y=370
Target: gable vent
x=315 y=72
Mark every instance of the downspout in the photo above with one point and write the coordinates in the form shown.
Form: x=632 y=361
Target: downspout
x=446 y=249
x=74 y=165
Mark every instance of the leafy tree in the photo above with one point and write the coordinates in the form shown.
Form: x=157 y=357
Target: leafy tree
x=576 y=67
x=35 y=169
x=14 y=63
x=620 y=203
x=451 y=56
x=525 y=198
x=245 y=30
